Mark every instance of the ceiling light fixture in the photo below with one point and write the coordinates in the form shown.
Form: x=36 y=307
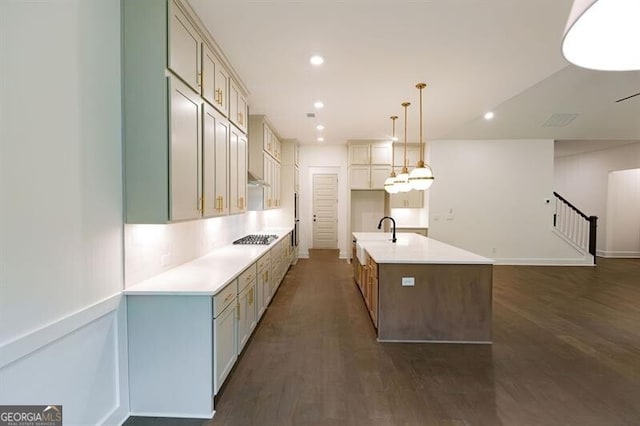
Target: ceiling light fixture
x=318 y=104
x=603 y=35
x=390 y=183
x=319 y=127
x=489 y=115
x=320 y=139
x=402 y=180
x=316 y=60
x=421 y=177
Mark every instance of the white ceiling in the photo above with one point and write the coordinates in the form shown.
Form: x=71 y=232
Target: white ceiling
x=474 y=55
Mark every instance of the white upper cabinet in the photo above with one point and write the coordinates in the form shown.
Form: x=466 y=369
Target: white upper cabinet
x=215 y=160
x=370 y=165
x=413 y=155
x=184 y=48
x=381 y=153
x=184 y=170
x=238 y=111
x=176 y=99
x=370 y=153
x=359 y=154
x=215 y=81
x=237 y=171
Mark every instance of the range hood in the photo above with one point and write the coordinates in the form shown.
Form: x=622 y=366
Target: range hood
x=253 y=180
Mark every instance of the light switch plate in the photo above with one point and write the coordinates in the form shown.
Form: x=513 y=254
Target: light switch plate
x=408 y=281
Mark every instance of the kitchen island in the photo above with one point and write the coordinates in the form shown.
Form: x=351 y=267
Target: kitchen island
x=422 y=290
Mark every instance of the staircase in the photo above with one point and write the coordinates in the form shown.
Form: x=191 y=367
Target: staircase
x=575 y=226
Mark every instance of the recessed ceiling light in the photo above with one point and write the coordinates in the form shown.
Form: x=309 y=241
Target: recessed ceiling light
x=318 y=104
x=316 y=60
x=488 y=116
x=320 y=139
x=320 y=127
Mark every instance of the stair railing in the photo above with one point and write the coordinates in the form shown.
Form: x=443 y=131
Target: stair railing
x=575 y=225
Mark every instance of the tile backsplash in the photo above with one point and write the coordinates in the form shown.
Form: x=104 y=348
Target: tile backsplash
x=153 y=249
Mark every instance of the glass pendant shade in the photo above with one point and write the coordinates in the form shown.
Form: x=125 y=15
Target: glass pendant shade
x=390 y=185
x=421 y=178
x=402 y=182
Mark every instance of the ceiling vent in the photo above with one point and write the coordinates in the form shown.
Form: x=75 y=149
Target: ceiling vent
x=559 y=120
x=311 y=115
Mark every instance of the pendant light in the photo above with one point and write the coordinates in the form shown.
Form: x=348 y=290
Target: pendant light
x=421 y=177
x=390 y=183
x=402 y=180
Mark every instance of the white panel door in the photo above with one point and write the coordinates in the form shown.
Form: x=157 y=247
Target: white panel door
x=184 y=190
x=325 y=211
x=222 y=166
x=209 y=65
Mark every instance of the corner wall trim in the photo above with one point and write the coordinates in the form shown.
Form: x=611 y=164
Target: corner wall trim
x=34 y=340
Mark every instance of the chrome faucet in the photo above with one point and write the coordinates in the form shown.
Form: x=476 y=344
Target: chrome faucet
x=393 y=238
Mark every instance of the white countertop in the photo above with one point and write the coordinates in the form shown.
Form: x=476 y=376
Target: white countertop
x=206 y=275
x=414 y=248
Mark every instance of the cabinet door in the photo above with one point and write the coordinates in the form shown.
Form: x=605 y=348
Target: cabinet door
x=242 y=171
x=267 y=292
x=413 y=155
x=381 y=153
x=209 y=65
x=246 y=315
x=378 y=175
x=237 y=171
x=214 y=162
x=237 y=106
x=222 y=166
x=359 y=177
x=184 y=48
x=222 y=89
x=411 y=199
x=184 y=171
x=359 y=154
x=276 y=183
x=266 y=191
x=224 y=347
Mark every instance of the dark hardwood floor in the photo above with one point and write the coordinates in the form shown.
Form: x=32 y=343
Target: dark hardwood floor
x=566 y=351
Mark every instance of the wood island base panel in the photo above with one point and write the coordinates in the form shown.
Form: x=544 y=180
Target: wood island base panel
x=418 y=289
x=447 y=303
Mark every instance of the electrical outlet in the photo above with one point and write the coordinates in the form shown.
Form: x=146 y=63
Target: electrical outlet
x=408 y=281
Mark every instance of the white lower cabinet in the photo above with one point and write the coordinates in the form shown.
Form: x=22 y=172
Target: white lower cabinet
x=246 y=313
x=225 y=335
x=183 y=347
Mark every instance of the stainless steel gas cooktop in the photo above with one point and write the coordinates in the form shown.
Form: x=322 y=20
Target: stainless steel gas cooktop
x=263 y=239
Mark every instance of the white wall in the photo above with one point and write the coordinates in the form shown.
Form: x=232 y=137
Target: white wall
x=367 y=208
x=62 y=335
x=583 y=179
x=489 y=198
x=623 y=213
x=153 y=249
x=323 y=159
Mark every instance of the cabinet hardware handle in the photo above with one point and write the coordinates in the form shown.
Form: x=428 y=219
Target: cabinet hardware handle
x=229 y=296
x=199 y=79
x=238 y=309
x=200 y=204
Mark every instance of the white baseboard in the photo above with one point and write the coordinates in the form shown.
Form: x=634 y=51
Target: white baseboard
x=586 y=261
x=34 y=340
x=620 y=254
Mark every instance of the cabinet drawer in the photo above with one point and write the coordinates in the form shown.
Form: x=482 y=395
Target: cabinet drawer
x=247 y=277
x=264 y=262
x=225 y=297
